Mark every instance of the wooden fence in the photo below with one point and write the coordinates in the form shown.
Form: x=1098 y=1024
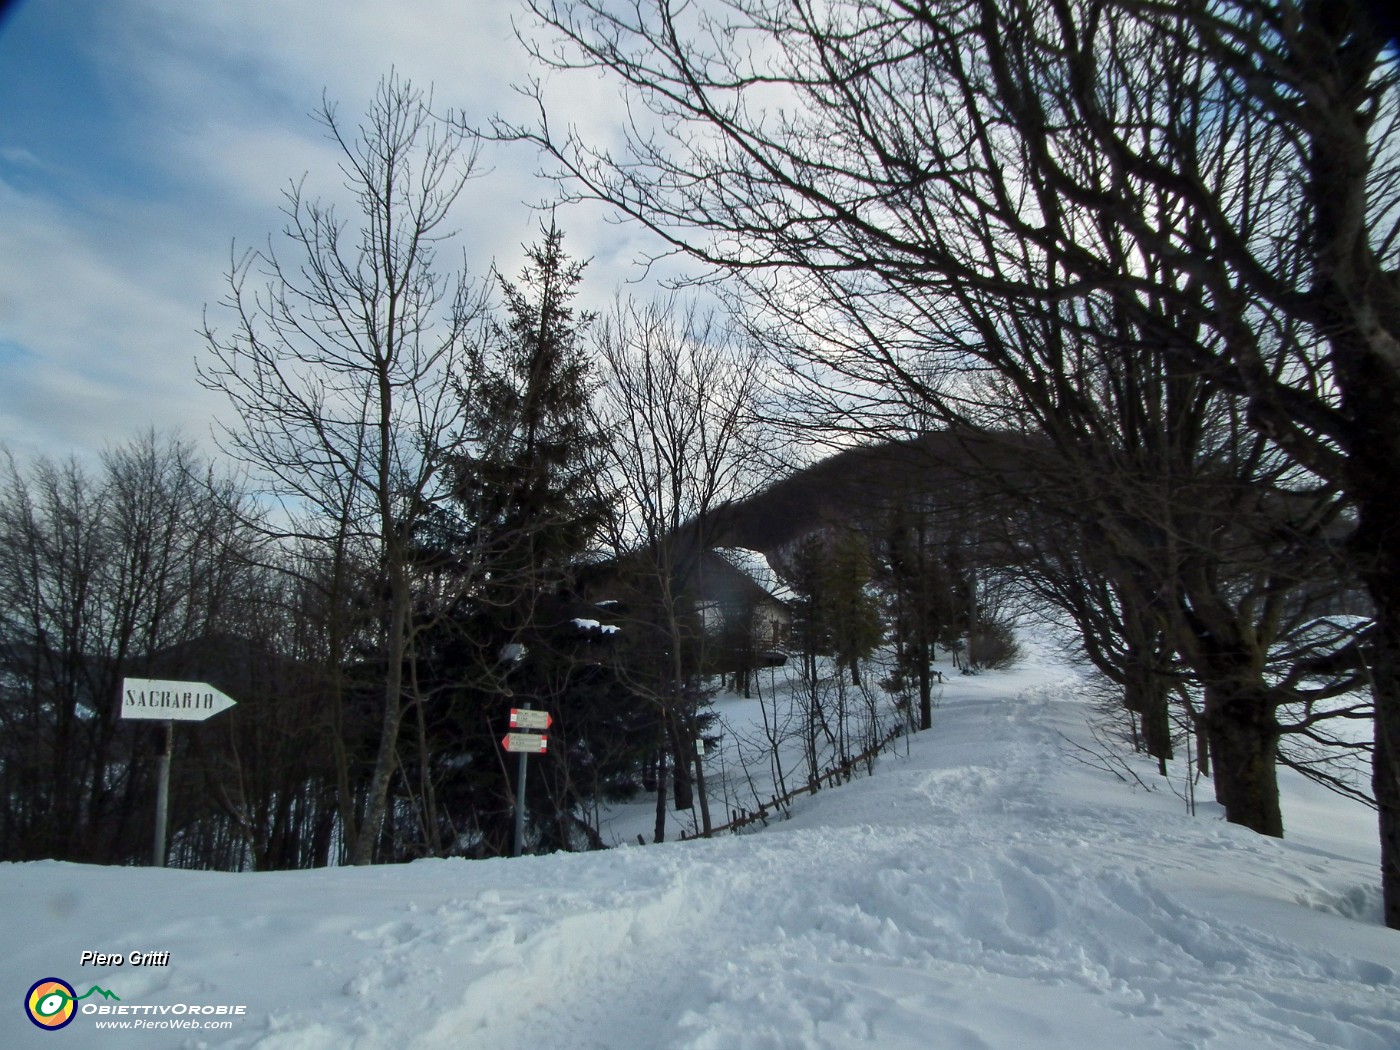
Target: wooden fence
x=841 y=773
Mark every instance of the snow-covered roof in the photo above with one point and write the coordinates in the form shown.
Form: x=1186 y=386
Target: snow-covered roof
x=754 y=565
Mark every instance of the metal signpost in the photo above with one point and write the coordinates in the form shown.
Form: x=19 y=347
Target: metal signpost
x=155 y=699
x=525 y=744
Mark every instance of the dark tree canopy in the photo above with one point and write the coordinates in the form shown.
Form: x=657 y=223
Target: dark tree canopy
x=927 y=204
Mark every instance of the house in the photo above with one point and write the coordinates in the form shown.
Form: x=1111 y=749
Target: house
x=735 y=586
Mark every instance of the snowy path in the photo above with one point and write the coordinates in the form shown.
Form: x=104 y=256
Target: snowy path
x=985 y=892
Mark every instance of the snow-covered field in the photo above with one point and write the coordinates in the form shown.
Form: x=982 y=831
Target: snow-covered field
x=985 y=891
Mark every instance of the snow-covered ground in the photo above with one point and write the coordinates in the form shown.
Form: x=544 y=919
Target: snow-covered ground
x=986 y=890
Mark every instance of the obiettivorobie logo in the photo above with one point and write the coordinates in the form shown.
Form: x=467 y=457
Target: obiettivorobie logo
x=52 y=1003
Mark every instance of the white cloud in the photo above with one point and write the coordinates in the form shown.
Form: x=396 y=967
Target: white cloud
x=20 y=157
x=103 y=280
x=108 y=324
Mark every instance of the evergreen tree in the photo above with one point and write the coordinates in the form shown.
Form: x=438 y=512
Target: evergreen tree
x=920 y=579
x=526 y=487
x=852 y=609
x=836 y=613
x=527 y=512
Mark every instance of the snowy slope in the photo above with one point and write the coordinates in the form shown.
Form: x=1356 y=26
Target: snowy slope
x=984 y=891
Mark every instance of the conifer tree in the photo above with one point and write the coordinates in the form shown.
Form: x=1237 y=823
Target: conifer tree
x=526 y=488
x=921 y=603
x=852 y=610
x=527 y=510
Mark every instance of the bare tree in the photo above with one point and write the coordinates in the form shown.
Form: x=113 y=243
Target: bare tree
x=338 y=367
x=103 y=574
x=677 y=394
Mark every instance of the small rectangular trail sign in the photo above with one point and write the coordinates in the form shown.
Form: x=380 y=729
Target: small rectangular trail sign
x=524 y=718
x=526 y=743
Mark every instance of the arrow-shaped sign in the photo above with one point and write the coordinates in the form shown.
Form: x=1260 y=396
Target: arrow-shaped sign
x=528 y=743
x=524 y=718
x=171 y=701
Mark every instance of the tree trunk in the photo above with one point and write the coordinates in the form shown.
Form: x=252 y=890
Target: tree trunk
x=925 y=686
x=659 y=832
x=1374 y=547
x=681 y=769
x=813 y=715
x=1243 y=734
x=385 y=760
x=701 y=792
x=1198 y=726
x=1385 y=772
x=1145 y=694
x=1358 y=302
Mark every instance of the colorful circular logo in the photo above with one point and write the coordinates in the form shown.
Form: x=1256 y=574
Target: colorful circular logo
x=51 y=1003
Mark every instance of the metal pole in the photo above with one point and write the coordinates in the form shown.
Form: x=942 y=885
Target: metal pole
x=520 y=802
x=167 y=740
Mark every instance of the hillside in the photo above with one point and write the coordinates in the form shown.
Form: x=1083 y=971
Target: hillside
x=842 y=489
x=987 y=889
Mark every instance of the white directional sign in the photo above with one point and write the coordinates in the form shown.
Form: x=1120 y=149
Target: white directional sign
x=171 y=701
x=526 y=743
x=524 y=718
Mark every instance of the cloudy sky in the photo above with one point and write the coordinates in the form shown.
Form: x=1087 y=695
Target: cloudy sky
x=141 y=139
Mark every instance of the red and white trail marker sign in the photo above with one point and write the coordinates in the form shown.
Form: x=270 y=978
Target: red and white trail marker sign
x=526 y=743
x=525 y=718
